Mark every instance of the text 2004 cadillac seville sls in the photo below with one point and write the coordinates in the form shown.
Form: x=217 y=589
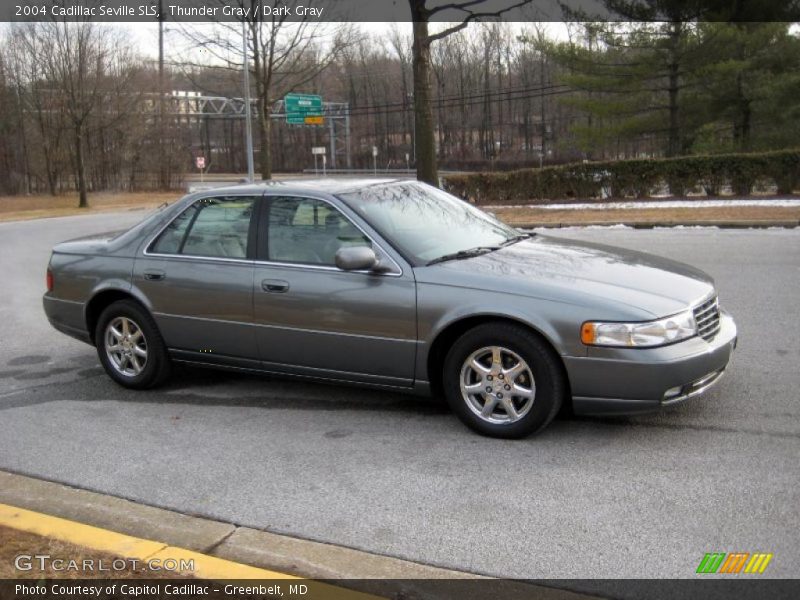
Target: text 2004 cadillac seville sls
x=397 y=285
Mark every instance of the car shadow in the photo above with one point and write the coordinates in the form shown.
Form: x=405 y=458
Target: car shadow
x=210 y=387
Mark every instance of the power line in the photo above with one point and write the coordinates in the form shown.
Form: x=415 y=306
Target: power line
x=459 y=103
x=483 y=95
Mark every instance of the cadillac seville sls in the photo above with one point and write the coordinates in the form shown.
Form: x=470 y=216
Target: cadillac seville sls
x=396 y=285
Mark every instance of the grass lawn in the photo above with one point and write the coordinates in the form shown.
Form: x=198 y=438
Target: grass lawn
x=531 y=217
x=14 y=543
x=18 y=208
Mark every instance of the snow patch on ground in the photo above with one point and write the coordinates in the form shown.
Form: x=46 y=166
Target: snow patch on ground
x=779 y=202
x=548 y=230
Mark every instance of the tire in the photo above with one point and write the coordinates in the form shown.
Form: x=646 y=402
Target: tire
x=140 y=360
x=511 y=398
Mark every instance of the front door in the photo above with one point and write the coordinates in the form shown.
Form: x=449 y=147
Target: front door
x=198 y=276
x=317 y=320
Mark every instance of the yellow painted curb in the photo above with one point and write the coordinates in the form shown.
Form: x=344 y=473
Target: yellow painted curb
x=211 y=567
x=126 y=546
x=78 y=533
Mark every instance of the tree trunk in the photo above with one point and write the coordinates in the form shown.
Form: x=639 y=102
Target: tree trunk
x=404 y=89
x=263 y=80
x=265 y=138
x=80 y=167
x=674 y=142
x=542 y=113
x=746 y=119
x=423 y=111
x=741 y=122
x=24 y=143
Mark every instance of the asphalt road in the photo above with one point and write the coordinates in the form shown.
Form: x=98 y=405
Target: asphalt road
x=636 y=497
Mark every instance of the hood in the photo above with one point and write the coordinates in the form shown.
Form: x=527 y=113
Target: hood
x=638 y=285
x=91 y=244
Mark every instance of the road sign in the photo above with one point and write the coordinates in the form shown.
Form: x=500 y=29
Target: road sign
x=317 y=151
x=314 y=120
x=374 y=151
x=200 y=162
x=298 y=107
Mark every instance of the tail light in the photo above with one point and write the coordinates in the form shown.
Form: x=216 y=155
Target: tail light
x=49 y=280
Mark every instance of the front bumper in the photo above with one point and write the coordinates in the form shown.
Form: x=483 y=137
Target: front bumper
x=624 y=381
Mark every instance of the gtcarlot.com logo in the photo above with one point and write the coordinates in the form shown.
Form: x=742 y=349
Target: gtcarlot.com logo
x=41 y=562
x=734 y=562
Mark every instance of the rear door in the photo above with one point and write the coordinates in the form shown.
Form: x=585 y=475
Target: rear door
x=198 y=275
x=315 y=319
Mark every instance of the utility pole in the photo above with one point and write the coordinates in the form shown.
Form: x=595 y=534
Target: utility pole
x=162 y=173
x=347 y=134
x=541 y=104
x=332 y=140
x=248 y=120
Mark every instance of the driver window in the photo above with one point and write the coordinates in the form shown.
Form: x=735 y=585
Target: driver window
x=306 y=230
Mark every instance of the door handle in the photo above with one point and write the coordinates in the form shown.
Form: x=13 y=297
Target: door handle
x=154 y=275
x=275 y=286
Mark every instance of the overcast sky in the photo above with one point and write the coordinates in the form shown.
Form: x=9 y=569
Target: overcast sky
x=145 y=35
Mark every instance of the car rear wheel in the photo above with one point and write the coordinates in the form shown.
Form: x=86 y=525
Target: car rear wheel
x=130 y=346
x=503 y=381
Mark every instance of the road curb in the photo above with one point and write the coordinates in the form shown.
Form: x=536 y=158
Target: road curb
x=224 y=550
x=126 y=546
x=303 y=558
x=205 y=567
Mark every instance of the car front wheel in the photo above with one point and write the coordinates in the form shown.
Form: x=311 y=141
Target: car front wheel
x=503 y=380
x=130 y=346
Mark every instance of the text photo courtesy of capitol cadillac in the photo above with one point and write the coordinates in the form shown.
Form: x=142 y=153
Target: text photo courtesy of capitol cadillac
x=403 y=299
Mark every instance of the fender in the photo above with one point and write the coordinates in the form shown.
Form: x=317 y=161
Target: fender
x=541 y=316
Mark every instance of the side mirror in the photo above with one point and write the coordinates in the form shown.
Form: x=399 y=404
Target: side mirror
x=356 y=258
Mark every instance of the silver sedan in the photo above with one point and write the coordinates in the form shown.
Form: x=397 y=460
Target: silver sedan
x=395 y=285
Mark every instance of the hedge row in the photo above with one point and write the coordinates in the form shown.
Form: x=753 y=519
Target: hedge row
x=631 y=178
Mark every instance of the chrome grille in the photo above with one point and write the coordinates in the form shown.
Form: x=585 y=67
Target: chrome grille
x=706 y=315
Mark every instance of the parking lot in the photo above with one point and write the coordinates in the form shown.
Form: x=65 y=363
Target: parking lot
x=397 y=475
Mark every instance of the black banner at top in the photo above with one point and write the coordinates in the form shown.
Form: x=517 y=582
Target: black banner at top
x=121 y=11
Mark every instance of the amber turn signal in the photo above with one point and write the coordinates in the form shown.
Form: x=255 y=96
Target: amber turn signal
x=587 y=333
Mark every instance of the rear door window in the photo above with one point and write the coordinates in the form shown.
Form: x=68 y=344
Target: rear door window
x=213 y=227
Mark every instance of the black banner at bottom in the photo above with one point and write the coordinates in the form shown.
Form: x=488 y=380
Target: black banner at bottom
x=399 y=589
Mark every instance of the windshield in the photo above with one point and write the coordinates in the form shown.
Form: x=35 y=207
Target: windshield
x=426 y=223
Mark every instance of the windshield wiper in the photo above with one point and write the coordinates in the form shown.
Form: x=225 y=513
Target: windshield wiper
x=517 y=238
x=477 y=251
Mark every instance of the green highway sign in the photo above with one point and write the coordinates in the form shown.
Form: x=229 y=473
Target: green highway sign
x=303 y=109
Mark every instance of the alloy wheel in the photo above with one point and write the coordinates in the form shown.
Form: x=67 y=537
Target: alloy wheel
x=497 y=385
x=126 y=346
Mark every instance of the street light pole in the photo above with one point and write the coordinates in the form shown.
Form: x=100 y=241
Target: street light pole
x=163 y=183
x=248 y=121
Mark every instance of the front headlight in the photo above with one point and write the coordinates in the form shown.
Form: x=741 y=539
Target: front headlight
x=640 y=335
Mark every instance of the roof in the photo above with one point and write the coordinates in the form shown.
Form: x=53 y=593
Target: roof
x=299 y=186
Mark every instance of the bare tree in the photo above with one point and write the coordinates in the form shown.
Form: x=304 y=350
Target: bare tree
x=285 y=55
x=27 y=50
x=401 y=45
x=85 y=64
x=421 y=16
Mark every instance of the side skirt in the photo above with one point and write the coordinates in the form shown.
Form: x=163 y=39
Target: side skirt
x=244 y=365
